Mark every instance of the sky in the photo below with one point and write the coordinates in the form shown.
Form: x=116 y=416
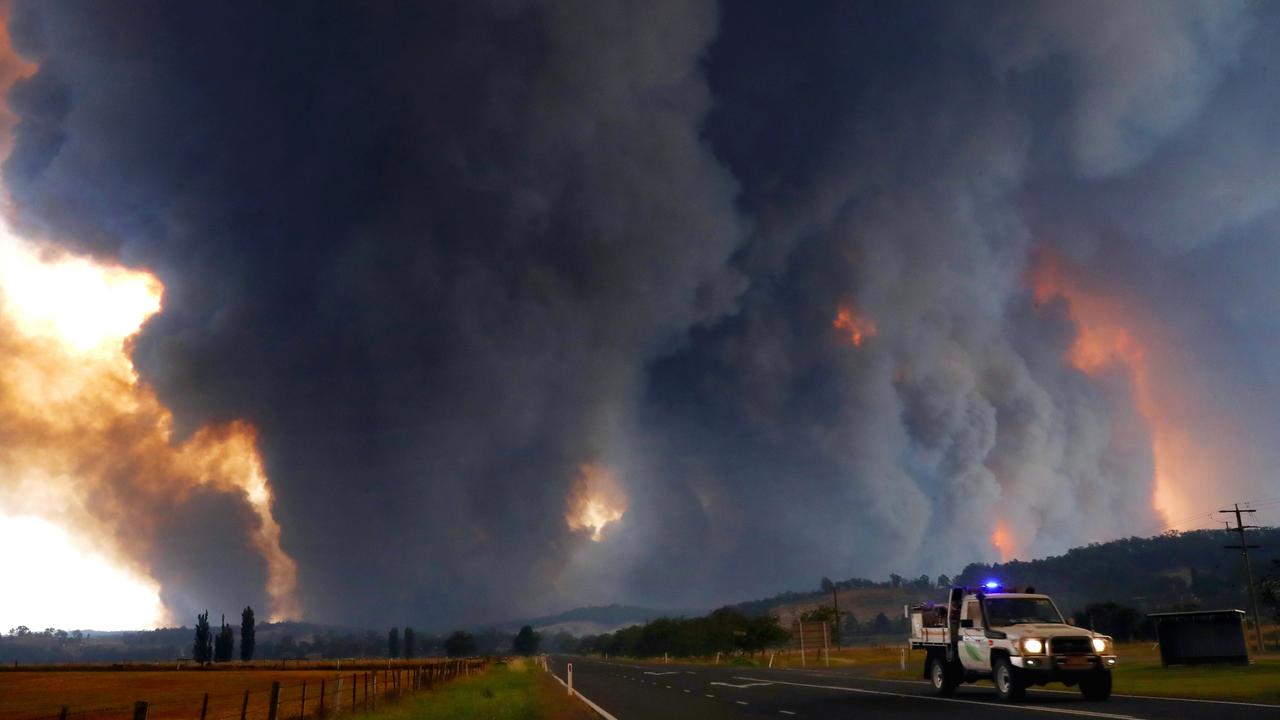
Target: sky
x=447 y=313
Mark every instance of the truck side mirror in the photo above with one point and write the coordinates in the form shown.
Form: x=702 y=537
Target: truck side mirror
x=966 y=623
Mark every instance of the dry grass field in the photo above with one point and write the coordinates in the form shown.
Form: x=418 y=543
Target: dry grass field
x=110 y=694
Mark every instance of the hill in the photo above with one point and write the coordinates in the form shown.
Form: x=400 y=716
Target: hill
x=595 y=619
x=1171 y=571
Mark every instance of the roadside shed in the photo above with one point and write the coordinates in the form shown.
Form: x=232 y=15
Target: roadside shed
x=1201 y=636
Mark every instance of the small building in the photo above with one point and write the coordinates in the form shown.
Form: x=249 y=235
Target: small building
x=1201 y=636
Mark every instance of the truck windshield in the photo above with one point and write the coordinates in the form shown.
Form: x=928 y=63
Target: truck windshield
x=1011 y=611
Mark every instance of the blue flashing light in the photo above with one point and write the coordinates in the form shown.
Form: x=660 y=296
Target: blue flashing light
x=991 y=585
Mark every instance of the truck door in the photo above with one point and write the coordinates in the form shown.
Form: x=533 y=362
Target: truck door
x=974 y=652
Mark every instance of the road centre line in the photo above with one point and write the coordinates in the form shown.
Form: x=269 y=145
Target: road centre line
x=935 y=698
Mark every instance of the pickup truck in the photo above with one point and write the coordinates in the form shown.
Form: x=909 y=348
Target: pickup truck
x=1016 y=639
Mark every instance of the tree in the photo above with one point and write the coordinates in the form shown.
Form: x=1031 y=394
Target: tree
x=850 y=623
x=1269 y=590
x=247 y=640
x=895 y=580
x=393 y=643
x=409 y=639
x=881 y=625
x=1109 y=618
x=460 y=644
x=526 y=641
x=224 y=644
x=944 y=581
x=202 y=652
x=826 y=585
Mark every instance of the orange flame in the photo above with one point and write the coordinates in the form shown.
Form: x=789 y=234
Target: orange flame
x=83 y=428
x=858 y=327
x=89 y=460
x=1113 y=332
x=595 y=501
x=1000 y=540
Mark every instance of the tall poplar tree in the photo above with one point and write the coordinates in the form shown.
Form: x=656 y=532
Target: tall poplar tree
x=203 y=650
x=247 y=642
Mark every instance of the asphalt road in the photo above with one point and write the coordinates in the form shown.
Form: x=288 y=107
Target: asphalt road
x=629 y=691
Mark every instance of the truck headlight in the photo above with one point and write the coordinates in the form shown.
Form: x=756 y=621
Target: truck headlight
x=1032 y=646
x=1099 y=645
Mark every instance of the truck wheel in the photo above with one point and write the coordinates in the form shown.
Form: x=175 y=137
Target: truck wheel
x=1097 y=686
x=1007 y=682
x=941 y=675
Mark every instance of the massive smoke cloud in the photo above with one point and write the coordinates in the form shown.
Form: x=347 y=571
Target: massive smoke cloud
x=445 y=257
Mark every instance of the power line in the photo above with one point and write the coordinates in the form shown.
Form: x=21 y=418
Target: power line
x=1244 y=548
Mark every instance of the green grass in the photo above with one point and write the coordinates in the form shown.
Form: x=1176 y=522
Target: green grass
x=1259 y=682
x=518 y=691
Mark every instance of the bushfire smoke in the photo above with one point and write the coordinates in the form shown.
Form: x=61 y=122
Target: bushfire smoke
x=670 y=303
x=89 y=448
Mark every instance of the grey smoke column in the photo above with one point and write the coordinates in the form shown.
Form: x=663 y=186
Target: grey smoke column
x=442 y=255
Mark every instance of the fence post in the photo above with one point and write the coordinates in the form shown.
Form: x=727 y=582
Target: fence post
x=244 y=709
x=375 y=690
x=302 y=705
x=354 y=684
x=366 y=691
x=204 y=708
x=274 y=708
x=320 y=712
x=140 y=710
x=569 y=682
x=62 y=714
x=337 y=696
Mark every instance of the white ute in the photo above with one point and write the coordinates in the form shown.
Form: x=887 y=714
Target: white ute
x=1017 y=639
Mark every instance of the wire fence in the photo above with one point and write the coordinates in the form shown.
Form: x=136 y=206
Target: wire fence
x=325 y=694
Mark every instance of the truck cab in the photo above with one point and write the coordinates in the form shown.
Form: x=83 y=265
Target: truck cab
x=1016 y=639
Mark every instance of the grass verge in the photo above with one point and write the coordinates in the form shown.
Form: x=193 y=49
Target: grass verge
x=515 y=691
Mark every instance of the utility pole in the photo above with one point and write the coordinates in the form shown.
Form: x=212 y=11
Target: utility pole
x=1244 y=549
x=835 y=606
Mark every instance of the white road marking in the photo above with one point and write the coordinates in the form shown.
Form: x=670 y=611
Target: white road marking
x=745 y=685
x=1066 y=692
x=669 y=672
x=688 y=691
x=740 y=702
x=599 y=710
x=786 y=712
x=709 y=695
x=935 y=698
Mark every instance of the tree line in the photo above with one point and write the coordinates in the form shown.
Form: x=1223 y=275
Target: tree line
x=726 y=630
